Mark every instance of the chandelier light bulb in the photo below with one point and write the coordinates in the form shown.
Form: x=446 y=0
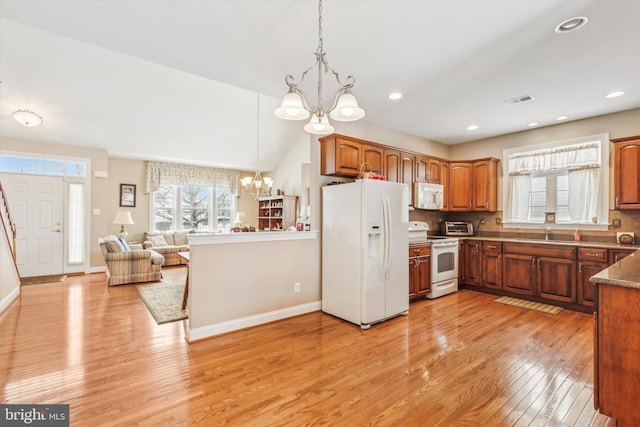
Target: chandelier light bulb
x=347 y=109
x=292 y=107
x=319 y=127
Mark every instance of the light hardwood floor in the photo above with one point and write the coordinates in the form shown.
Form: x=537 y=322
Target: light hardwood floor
x=461 y=360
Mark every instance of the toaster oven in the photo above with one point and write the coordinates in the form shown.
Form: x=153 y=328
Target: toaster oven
x=456 y=228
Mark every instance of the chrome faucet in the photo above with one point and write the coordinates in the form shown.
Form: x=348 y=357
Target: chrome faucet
x=546 y=232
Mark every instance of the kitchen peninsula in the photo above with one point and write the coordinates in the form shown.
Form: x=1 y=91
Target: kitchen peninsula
x=617 y=342
x=238 y=280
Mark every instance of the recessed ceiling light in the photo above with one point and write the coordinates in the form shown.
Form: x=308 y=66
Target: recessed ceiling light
x=562 y=118
x=614 y=94
x=571 y=24
x=395 y=95
x=533 y=124
x=472 y=127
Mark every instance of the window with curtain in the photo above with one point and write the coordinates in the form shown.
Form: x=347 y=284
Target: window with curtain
x=191 y=198
x=565 y=179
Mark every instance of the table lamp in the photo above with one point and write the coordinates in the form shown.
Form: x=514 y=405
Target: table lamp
x=123 y=218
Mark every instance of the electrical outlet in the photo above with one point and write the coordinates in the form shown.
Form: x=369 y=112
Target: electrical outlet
x=498 y=221
x=296 y=287
x=616 y=222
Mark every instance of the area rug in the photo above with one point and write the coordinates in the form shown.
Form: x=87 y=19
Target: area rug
x=545 y=308
x=43 y=279
x=164 y=300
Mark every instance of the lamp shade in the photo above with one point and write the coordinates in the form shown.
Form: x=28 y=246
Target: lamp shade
x=347 y=109
x=318 y=127
x=124 y=218
x=27 y=118
x=292 y=108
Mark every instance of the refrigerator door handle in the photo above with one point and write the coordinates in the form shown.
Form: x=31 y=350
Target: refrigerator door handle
x=387 y=235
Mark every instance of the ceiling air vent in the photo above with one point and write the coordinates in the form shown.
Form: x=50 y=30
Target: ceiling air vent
x=519 y=100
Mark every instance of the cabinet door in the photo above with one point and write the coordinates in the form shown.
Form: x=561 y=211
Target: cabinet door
x=373 y=156
x=414 y=278
x=627 y=174
x=492 y=270
x=616 y=255
x=347 y=157
x=557 y=278
x=407 y=161
x=424 y=274
x=485 y=180
x=421 y=168
x=444 y=180
x=586 y=269
x=392 y=166
x=460 y=186
x=518 y=273
x=433 y=170
x=473 y=263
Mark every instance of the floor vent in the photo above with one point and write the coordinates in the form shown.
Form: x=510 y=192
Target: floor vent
x=519 y=100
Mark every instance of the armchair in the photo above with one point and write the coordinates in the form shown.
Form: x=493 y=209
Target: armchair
x=129 y=266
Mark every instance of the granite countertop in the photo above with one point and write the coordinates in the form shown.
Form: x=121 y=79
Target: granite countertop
x=580 y=243
x=624 y=273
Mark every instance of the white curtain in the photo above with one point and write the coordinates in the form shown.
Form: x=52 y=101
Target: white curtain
x=519 y=192
x=577 y=156
x=584 y=190
x=161 y=173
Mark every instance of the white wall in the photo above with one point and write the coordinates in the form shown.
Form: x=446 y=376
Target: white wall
x=9 y=279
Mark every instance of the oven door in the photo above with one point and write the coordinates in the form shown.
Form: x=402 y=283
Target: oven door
x=444 y=261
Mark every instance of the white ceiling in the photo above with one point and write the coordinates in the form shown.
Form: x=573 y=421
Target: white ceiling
x=177 y=80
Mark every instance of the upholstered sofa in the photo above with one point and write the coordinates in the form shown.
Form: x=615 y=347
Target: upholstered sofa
x=129 y=263
x=168 y=245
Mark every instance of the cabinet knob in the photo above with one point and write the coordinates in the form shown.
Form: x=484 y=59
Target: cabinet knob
x=617 y=202
x=580 y=267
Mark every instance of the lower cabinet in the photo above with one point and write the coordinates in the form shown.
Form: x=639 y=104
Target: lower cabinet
x=492 y=265
x=519 y=274
x=590 y=261
x=473 y=262
x=419 y=271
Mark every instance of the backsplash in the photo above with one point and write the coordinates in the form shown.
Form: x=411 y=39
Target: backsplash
x=630 y=221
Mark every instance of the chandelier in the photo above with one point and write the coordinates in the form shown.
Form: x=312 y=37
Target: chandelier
x=256 y=185
x=344 y=107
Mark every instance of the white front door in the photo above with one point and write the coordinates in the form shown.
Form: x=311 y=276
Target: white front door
x=36 y=204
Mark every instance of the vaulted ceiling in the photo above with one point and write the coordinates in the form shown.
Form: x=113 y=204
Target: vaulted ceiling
x=179 y=79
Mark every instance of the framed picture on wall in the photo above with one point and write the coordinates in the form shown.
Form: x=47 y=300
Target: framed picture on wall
x=128 y=195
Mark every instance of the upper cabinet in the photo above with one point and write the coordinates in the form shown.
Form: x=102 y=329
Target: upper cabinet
x=627 y=172
x=343 y=156
x=473 y=186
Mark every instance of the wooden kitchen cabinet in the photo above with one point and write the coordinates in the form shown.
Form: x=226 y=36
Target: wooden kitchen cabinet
x=473 y=262
x=485 y=185
x=617 y=354
x=616 y=255
x=590 y=261
x=460 y=186
x=343 y=156
x=546 y=271
x=277 y=213
x=492 y=265
x=444 y=180
x=627 y=172
x=419 y=271
x=433 y=171
x=392 y=165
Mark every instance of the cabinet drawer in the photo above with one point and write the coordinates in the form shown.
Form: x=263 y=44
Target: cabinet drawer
x=545 y=250
x=419 y=250
x=492 y=247
x=592 y=254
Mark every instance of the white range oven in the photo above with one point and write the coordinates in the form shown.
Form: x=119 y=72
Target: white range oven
x=444 y=266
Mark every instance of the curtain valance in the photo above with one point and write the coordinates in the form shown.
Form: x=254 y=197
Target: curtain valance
x=571 y=157
x=163 y=173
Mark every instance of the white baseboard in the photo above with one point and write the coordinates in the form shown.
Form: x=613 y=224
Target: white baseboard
x=98 y=270
x=6 y=302
x=208 y=331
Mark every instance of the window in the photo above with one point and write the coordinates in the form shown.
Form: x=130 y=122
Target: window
x=563 y=180
x=192 y=208
x=40 y=166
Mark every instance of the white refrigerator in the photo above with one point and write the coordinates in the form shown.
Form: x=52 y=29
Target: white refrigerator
x=365 y=277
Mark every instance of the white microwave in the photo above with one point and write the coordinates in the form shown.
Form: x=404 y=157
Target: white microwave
x=427 y=195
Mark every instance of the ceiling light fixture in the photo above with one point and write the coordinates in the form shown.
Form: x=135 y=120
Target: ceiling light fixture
x=571 y=24
x=472 y=127
x=344 y=108
x=614 y=94
x=562 y=118
x=254 y=186
x=395 y=95
x=27 y=118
